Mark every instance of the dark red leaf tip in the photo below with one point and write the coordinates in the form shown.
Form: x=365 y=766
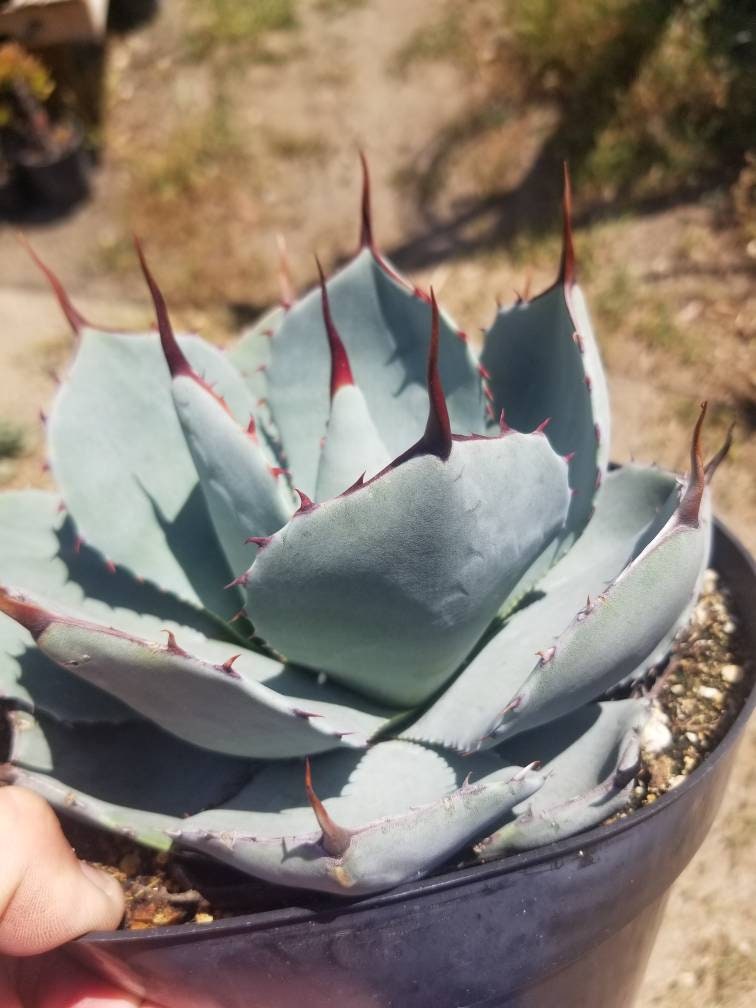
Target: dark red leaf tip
x=567 y=265
x=174 y=356
x=690 y=505
x=341 y=372
x=366 y=216
x=335 y=839
x=73 y=316
x=259 y=541
x=714 y=462
x=437 y=438
x=24 y=611
x=177 y=363
x=542 y=426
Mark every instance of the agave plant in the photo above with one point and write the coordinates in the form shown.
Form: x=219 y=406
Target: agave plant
x=350 y=540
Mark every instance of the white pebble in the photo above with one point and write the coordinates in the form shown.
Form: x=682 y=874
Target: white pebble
x=678 y=689
x=710 y=693
x=656 y=736
x=675 y=781
x=691 y=736
x=731 y=673
x=729 y=627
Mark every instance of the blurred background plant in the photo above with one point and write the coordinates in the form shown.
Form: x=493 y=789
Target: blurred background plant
x=650 y=101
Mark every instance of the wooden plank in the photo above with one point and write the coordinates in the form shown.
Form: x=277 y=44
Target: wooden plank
x=38 y=23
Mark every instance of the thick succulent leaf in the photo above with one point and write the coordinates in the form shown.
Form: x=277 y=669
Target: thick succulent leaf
x=589 y=760
x=126 y=475
x=630 y=502
x=245 y=494
x=251 y=356
x=617 y=632
x=542 y=360
x=352 y=446
x=217 y=701
x=252 y=351
x=133 y=779
x=390 y=816
x=39 y=550
x=394 y=604
x=385 y=326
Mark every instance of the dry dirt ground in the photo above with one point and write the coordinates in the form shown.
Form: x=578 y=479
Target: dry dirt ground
x=208 y=158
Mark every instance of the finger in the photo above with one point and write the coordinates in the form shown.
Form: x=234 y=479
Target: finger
x=8 y=995
x=66 y=984
x=47 y=896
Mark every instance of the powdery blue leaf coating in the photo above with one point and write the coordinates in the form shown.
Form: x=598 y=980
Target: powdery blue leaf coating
x=39 y=549
x=219 y=701
x=352 y=446
x=589 y=760
x=389 y=587
x=385 y=326
x=629 y=506
x=543 y=362
x=125 y=473
x=623 y=626
x=246 y=495
x=393 y=814
x=132 y=779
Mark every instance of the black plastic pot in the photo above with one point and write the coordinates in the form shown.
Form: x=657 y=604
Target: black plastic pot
x=55 y=185
x=125 y=15
x=571 y=924
x=11 y=198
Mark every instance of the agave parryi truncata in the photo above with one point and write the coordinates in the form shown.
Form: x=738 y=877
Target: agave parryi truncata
x=321 y=544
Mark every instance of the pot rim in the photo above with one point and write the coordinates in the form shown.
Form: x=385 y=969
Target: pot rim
x=559 y=849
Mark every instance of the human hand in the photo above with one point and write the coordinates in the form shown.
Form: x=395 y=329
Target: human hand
x=47 y=898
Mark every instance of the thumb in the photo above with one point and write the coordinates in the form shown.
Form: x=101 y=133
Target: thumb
x=47 y=896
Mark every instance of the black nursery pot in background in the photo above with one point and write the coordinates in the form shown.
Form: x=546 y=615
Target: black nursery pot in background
x=10 y=193
x=568 y=925
x=58 y=183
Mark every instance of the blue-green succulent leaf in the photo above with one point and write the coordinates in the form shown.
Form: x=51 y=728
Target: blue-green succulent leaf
x=126 y=475
x=387 y=816
x=132 y=779
x=630 y=502
x=543 y=363
x=219 y=701
x=589 y=759
x=389 y=587
x=385 y=325
x=245 y=494
x=39 y=549
x=609 y=638
x=252 y=352
x=352 y=447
